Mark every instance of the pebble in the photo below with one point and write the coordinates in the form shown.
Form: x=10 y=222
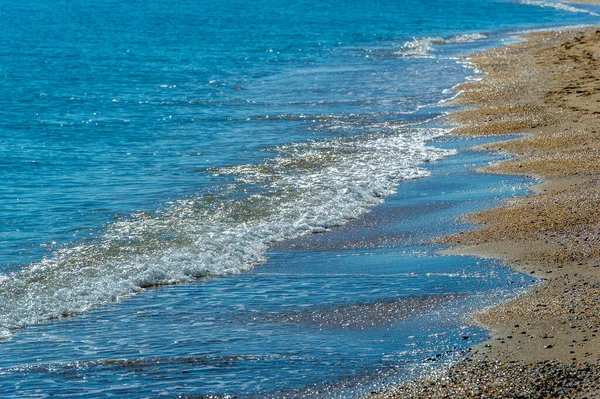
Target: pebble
x=486 y=379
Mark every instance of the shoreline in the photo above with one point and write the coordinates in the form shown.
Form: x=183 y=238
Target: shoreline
x=544 y=343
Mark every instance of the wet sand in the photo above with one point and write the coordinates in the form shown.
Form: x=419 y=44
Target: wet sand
x=545 y=343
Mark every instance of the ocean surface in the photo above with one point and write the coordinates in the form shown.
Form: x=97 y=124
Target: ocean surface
x=238 y=199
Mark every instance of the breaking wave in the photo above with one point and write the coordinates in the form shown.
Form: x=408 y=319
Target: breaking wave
x=423 y=47
x=557 y=6
x=304 y=188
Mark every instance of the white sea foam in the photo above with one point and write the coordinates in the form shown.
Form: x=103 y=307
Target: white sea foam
x=466 y=38
x=423 y=47
x=418 y=47
x=557 y=5
x=308 y=188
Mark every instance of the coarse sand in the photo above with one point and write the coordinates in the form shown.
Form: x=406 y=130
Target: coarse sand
x=544 y=344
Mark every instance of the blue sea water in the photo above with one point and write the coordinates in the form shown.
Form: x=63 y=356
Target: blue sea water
x=234 y=198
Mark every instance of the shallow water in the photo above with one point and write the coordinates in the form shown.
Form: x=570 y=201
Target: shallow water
x=235 y=199
x=318 y=319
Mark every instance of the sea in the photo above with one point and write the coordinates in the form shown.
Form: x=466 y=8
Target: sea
x=241 y=199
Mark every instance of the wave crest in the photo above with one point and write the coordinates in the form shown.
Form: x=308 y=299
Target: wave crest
x=423 y=47
x=307 y=188
x=557 y=6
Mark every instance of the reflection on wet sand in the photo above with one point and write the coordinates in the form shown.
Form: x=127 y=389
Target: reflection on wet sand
x=362 y=316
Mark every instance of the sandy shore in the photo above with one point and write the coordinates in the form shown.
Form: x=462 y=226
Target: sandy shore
x=545 y=343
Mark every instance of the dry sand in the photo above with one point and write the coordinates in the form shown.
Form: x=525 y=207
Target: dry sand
x=546 y=343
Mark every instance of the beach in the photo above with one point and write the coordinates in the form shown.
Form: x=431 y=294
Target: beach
x=247 y=200
x=545 y=343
